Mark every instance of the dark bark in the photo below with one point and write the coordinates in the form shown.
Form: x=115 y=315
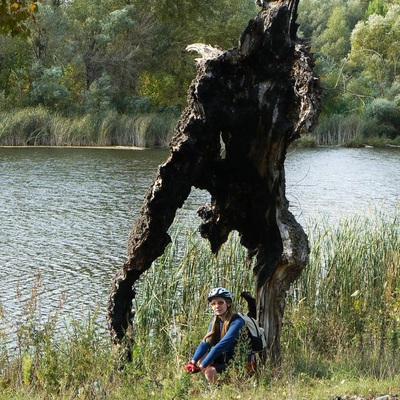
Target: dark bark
x=254 y=99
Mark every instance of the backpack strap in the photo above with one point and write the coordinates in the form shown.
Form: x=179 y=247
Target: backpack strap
x=235 y=316
x=252 y=321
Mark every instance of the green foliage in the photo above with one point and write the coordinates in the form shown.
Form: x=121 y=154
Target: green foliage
x=158 y=87
x=138 y=47
x=313 y=16
x=387 y=116
x=86 y=56
x=98 y=97
x=356 y=45
x=376 y=7
x=376 y=127
x=308 y=141
x=334 y=40
x=48 y=89
x=334 y=101
x=15 y=61
x=374 y=49
x=14 y=16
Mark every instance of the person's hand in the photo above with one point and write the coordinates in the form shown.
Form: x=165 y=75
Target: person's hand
x=191 y=368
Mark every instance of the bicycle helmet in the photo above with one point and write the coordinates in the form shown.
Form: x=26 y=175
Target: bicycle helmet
x=220 y=292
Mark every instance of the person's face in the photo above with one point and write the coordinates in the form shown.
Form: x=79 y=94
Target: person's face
x=219 y=305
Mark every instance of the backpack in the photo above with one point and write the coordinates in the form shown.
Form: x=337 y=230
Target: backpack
x=257 y=337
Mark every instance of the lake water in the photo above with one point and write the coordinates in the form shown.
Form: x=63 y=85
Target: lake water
x=66 y=213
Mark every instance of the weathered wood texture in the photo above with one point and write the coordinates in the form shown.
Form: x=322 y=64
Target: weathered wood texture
x=245 y=106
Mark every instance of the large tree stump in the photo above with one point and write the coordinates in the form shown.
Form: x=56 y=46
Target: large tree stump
x=245 y=106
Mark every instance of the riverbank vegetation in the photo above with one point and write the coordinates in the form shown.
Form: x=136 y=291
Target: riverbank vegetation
x=38 y=126
x=116 y=72
x=340 y=335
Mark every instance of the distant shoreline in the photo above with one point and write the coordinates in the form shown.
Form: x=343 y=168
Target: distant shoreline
x=78 y=147
x=300 y=143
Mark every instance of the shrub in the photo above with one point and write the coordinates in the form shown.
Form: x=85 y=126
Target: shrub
x=385 y=114
x=49 y=91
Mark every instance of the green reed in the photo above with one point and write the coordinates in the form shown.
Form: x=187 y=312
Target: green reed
x=39 y=126
x=347 y=130
x=346 y=303
x=341 y=319
x=338 y=129
x=27 y=126
x=172 y=297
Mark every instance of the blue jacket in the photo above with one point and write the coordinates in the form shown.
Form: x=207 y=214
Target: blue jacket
x=225 y=346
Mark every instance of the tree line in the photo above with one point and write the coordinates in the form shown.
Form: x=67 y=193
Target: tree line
x=99 y=63
x=357 y=57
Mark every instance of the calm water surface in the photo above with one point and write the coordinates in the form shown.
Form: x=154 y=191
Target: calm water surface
x=66 y=213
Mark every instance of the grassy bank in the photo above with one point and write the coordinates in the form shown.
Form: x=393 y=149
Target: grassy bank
x=39 y=126
x=349 y=131
x=313 y=141
x=341 y=327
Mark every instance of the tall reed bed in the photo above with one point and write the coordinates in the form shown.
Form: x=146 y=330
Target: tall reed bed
x=38 y=126
x=28 y=126
x=348 y=130
x=346 y=305
x=342 y=318
x=339 y=129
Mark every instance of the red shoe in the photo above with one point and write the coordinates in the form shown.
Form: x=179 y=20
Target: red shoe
x=191 y=368
x=251 y=367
